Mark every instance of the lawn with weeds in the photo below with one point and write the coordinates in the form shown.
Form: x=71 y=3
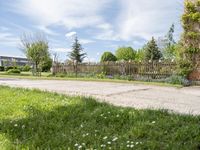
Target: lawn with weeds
x=31 y=119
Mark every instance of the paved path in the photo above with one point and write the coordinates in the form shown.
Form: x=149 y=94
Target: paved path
x=184 y=100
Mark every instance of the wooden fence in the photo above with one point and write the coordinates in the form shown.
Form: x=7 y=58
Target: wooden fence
x=154 y=70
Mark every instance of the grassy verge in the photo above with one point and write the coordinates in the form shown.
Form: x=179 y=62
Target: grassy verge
x=31 y=119
x=46 y=76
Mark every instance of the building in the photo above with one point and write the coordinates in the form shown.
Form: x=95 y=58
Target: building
x=13 y=61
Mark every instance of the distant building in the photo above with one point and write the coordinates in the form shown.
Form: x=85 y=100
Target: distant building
x=13 y=61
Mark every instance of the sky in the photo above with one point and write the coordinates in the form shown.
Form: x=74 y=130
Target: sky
x=101 y=25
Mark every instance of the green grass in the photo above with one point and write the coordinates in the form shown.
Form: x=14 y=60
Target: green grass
x=31 y=119
x=47 y=76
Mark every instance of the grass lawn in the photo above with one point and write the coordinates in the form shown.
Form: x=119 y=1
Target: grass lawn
x=46 y=76
x=31 y=119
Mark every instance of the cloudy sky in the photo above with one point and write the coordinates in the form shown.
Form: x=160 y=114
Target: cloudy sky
x=101 y=25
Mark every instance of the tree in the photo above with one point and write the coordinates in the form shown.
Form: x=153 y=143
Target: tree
x=47 y=64
x=169 y=48
x=151 y=51
x=140 y=54
x=36 y=49
x=108 y=56
x=191 y=36
x=125 y=53
x=76 y=55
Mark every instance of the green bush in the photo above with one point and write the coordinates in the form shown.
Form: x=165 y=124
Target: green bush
x=2 y=68
x=108 y=56
x=26 y=68
x=10 y=67
x=13 y=71
x=185 y=67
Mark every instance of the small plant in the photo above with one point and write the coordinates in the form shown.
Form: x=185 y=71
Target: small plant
x=13 y=71
x=102 y=75
x=175 y=79
x=2 y=68
x=26 y=68
x=10 y=67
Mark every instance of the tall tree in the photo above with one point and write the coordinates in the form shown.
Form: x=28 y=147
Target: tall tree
x=191 y=37
x=76 y=55
x=36 y=50
x=151 y=51
x=169 y=44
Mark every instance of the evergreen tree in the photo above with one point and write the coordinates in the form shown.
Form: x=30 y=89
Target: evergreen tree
x=152 y=51
x=76 y=54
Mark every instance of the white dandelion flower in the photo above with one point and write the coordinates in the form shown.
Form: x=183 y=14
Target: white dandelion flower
x=105 y=137
x=109 y=142
x=115 y=139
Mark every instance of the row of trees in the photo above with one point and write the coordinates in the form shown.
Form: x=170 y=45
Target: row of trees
x=150 y=51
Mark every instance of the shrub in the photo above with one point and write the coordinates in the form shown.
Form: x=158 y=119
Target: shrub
x=10 y=67
x=13 y=71
x=108 y=56
x=102 y=75
x=2 y=68
x=26 y=68
x=175 y=79
x=185 y=67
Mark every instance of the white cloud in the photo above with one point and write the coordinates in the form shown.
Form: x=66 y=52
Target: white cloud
x=9 y=39
x=86 y=41
x=70 y=34
x=61 y=50
x=46 y=30
x=70 y=13
x=147 y=18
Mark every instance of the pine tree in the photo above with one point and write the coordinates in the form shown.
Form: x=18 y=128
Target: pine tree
x=152 y=51
x=76 y=54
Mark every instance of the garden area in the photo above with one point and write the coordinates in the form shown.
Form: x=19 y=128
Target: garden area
x=31 y=119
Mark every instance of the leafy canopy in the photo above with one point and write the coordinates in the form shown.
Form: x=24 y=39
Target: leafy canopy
x=125 y=53
x=108 y=56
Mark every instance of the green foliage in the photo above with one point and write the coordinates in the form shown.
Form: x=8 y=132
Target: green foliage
x=169 y=51
x=191 y=37
x=13 y=71
x=108 y=56
x=26 y=68
x=2 y=68
x=151 y=51
x=46 y=65
x=32 y=119
x=10 y=67
x=36 y=49
x=179 y=80
x=125 y=53
x=185 y=67
x=140 y=55
x=76 y=55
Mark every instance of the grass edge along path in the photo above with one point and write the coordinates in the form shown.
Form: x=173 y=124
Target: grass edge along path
x=32 y=119
x=18 y=76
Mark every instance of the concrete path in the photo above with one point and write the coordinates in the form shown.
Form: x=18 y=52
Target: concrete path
x=184 y=100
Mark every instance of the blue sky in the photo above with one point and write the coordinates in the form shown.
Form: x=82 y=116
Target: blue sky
x=101 y=25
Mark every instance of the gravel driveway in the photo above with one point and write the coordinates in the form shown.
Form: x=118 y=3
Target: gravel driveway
x=182 y=100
